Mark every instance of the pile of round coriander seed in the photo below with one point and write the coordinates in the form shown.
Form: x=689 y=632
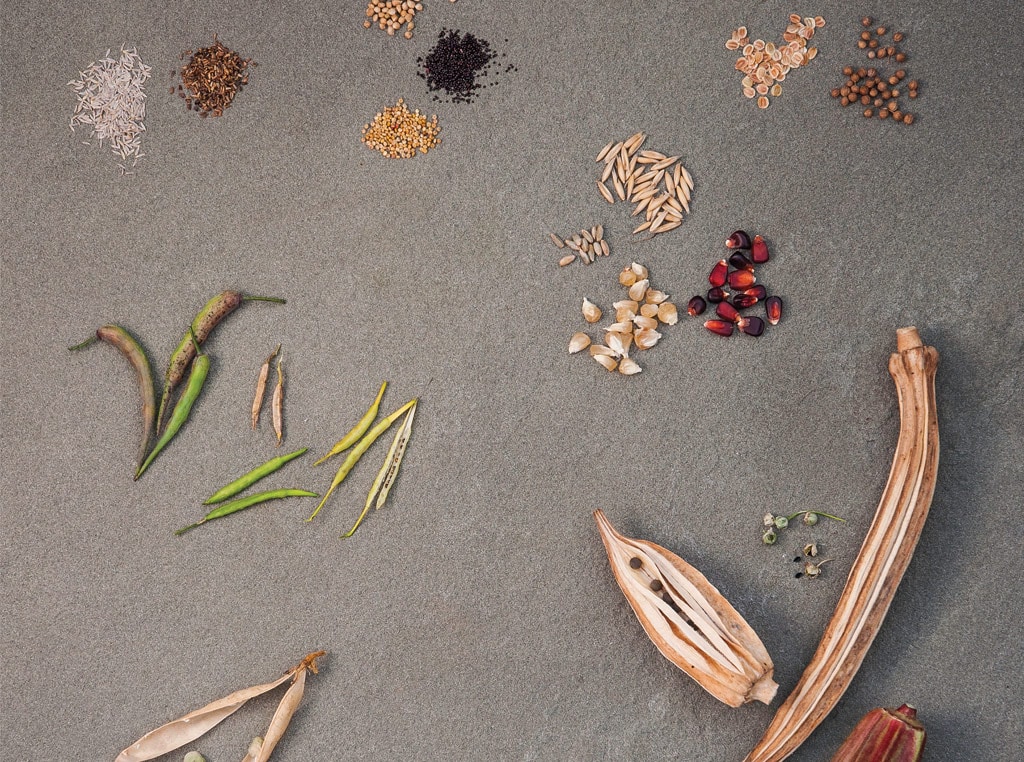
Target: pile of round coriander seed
x=399 y=133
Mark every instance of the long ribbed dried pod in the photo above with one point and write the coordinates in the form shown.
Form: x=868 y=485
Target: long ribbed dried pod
x=689 y=621
x=882 y=559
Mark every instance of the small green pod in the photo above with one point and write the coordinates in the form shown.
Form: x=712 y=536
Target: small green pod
x=196 y=379
x=245 y=502
x=239 y=484
x=358 y=430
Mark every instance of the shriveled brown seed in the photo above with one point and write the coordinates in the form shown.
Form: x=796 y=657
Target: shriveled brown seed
x=557 y=241
x=604 y=247
x=587 y=236
x=598 y=232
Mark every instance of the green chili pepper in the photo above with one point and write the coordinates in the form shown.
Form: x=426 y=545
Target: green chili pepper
x=358 y=430
x=126 y=344
x=244 y=502
x=196 y=379
x=214 y=311
x=357 y=452
x=252 y=477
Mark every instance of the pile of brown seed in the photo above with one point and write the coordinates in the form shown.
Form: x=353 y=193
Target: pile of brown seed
x=399 y=133
x=765 y=65
x=588 y=244
x=658 y=184
x=871 y=88
x=636 y=321
x=211 y=78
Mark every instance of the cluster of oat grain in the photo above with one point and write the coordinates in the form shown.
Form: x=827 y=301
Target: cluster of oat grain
x=765 y=64
x=658 y=184
x=636 y=321
x=588 y=244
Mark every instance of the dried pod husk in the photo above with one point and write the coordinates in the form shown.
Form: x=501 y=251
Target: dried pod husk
x=885 y=735
x=881 y=562
x=689 y=621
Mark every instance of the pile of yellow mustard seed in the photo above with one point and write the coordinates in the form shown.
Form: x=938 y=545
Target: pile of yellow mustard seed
x=398 y=133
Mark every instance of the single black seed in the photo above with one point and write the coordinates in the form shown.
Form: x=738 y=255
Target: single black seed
x=656 y=585
x=796 y=559
x=635 y=563
x=798 y=575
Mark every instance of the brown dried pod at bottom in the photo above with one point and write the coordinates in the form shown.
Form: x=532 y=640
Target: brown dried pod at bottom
x=689 y=621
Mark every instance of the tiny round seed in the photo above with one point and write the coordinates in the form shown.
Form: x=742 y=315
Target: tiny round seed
x=635 y=562
x=656 y=585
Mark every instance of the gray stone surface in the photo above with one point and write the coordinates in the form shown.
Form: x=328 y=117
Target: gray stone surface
x=475 y=617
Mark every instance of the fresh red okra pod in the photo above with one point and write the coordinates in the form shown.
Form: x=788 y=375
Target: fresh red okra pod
x=126 y=344
x=215 y=310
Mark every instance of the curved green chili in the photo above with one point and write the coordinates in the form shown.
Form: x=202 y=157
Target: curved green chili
x=196 y=379
x=215 y=310
x=357 y=452
x=244 y=502
x=252 y=477
x=126 y=344
x=358 y=430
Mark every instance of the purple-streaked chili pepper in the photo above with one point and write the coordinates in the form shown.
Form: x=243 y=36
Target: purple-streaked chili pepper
x=133 y=352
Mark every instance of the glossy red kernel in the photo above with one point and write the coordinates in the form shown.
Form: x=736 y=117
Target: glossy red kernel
x=773 y=308
x=752 y=326
x=718 y=274
x=758 y=291
x=743 y=300
x=716 y=295
x=696 y=306
x=721 y=327
x=759 y=250
x=740 y=262
x=741 y=279
x=726 y=311
x=738 y=240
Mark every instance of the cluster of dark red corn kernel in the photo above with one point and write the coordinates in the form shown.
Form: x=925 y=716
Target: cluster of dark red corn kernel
x=734 y=288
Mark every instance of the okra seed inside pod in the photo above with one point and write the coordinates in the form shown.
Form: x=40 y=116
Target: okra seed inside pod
x=635 y=563
x=656 y=585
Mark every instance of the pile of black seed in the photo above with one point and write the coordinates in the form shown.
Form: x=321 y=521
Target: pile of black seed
x=455 y=64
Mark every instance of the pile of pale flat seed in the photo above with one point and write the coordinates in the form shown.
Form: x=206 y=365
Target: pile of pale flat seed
x=658 y=184
x=636 y=321
x=587 y=244
x=765 y=64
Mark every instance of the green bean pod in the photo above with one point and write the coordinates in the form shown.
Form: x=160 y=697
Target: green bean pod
x=245 y=502
x=358 y=430
x=196 y=379
x=214 y=311
x=239 y=484
x=361 y=447
x=126 y=344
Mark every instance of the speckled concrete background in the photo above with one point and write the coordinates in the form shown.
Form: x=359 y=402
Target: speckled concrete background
x=475 y=617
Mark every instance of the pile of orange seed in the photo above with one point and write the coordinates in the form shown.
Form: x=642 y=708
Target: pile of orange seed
x=399 y=133
x=765 y=64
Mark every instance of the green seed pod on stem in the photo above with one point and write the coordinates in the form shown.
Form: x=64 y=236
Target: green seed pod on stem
x=215 y=310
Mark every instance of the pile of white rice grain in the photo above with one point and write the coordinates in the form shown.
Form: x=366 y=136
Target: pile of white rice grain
x=112 y=99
